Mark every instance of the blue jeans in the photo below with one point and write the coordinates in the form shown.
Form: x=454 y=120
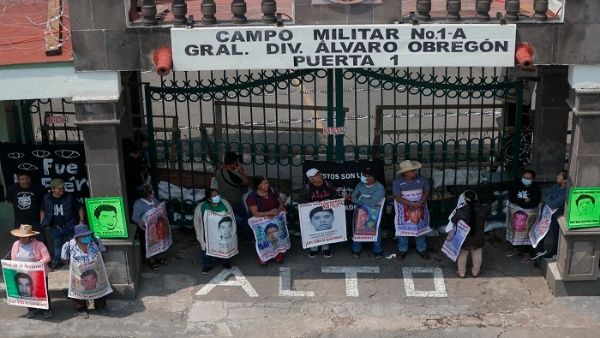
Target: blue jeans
x=419 y=240
x=209 y=261
x=377 y=249
x=59 y=237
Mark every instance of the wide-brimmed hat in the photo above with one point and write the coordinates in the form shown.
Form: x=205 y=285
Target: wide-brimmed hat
x=25 y=230
x=312 y=172
x=408 y=165
x=81 y=230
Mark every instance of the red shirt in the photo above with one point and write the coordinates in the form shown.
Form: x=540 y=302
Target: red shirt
x=264 y=203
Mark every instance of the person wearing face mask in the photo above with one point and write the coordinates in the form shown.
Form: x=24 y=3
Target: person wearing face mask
x=317 y=189
x=555 y=198
x=371 y=193
x=84 y=248
x=526 y=194
x=141 y=206
x=216 y=204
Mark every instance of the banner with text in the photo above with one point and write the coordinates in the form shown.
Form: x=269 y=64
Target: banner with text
x=455 y=240
x=583 y=207
x=322 y=222
x=348 y=46
x=88 y=280
x=271 y=234
x=366 y=222
x=411 y=220
x=541 y=226
x=158 y=231
x=25 y=284
x=220 y=232
x=518 y=223
x=106 y=216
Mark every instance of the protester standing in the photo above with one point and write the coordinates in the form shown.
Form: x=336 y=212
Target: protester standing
x=410 y=180
x=232 y=183
x=60 y=211
x=554 y=198
x=29 y=249
x=264 y=201
x=371 y=193
x=141 y=206
x=216 y=204
x=26 y=199
x=84 y=248
x=316 y=190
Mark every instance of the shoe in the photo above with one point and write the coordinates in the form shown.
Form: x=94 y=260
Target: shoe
x=424 y=255
x=355 y=255
x=378 y=257
x=206 y=270
x=55 y=265
x=279 y=259
x=312 y=254
x=401 y=255
x=511 y=253
x=227 y=265
x=83 y=314
x=30 y=313
x=459 y=275
x=327 y=253
x=550 y=257
x=47 y=314
x=475 y=275
x=103 y=311
x=526 y=258
x=538 y=255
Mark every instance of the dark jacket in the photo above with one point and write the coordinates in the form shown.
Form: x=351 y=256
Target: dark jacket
x=519 y=192
x=70 y=209
x=476 y=236
x=555 y=197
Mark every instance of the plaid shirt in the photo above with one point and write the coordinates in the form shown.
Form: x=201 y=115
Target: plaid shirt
x=71 y=250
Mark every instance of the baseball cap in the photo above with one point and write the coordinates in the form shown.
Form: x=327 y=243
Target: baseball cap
x=311 y=172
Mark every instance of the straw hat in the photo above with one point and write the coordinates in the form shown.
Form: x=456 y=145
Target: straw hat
x=25 y=230
x=409 y=165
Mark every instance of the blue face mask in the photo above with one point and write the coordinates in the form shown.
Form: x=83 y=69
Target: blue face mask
x=526 y=181
x=86 y=239
x=363 y=179
x=216 y=199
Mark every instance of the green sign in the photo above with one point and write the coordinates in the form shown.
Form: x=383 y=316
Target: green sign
x=107 y=216
x=583 y=208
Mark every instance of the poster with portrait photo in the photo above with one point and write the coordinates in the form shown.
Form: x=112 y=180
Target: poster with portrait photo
x=322 y=222
x=366 y=221
x=411 y=221
x=220 y=232
x=25 y=284
x=88 y=280
x=518 y=223
x=106 y=216
x=271 y=235
x=452 y=245
x=541 y=226
x=583 y=208
x=158 y=231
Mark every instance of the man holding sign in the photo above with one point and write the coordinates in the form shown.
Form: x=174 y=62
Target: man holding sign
x=368 y=196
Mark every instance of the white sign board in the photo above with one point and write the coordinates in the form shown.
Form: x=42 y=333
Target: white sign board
x=357 y=46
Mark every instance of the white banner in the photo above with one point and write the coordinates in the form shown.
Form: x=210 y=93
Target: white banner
x=220 y=232
x=158 y=231
x=541 y=226
x=271 y=234
x=455 y=240
x=88 y=280
x=355 y=46
x=322 y=222
x=25 y=284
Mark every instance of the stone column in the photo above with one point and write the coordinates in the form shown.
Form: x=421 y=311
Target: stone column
x=100 y=120
x=550 y=122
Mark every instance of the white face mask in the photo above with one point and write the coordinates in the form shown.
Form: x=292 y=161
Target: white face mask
x=216 y=199
x=526 y=181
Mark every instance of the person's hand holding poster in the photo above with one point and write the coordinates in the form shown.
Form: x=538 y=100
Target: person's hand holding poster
x=220 y=232
x=158 y=231
x=518 y=223
x=25 y=284
x=271 y=234
x=455 y=240
x=322 y=222
x=366 y=222
x=88 y=280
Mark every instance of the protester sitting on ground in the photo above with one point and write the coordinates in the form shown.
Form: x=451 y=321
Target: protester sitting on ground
x=317 y=189
x=84 y=248
x=370 y=193
x=527 y=195
x=142 y=205
x=29 y=249
x=474 y=215
x=213 y=203
x=264 y=201
x=554 y=198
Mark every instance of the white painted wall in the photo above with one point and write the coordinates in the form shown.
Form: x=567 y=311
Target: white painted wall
x=58 y=80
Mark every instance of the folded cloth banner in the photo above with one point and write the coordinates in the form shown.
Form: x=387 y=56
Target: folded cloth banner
x=25 y=284
x=455 y=240
x=271 y=234
x=220 y=232
x=411 y=221
x=541 y=226
x=88 y=280
x=158 y=231
x=322 y=222
x=518 y=223
x=365 y=224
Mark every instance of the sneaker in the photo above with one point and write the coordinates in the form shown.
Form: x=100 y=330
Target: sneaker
x=526 y=258
x=327 y=253
x=550 y=257
x=55 y=265
x=103 y=311
x=424 y=255
x=47 y=314
x=538 y=255
x=227 y=265
x=401 y=255
x=205 y=270
x=312 y=254
x=30 y=313
x=83 y=314
x=511 y=252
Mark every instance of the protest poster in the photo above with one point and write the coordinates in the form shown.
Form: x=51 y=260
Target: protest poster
x=366 y=222
x=271 y=235
x=220 y=232
x=106 y=216
x=582 y=208
x=518 y=223
x=322 y=222
x=452 y=245
x=411 y=221
x=45 y=162
x=25 y=284
x=88 y=280
x=540 y=227
x=158 y=231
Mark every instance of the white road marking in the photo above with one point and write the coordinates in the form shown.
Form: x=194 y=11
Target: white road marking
x=285 y=285
x=438 y=281
x=351 y=273
x=221 y=280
